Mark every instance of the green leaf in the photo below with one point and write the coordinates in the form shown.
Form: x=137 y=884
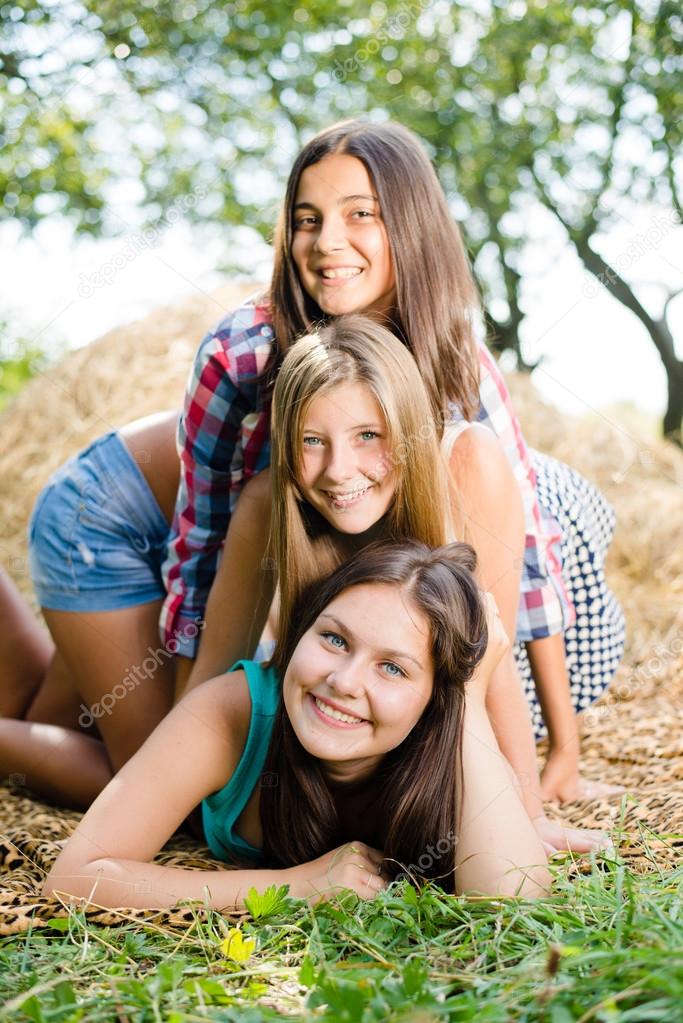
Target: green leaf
x=58 y=924
x=307 y=972
x=268 y=903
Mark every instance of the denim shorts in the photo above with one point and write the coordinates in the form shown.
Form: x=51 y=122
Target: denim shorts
x=97 y=537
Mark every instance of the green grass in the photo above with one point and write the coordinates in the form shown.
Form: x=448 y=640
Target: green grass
x=607 y=946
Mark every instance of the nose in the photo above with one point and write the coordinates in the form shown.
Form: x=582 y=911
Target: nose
x=340 y=464
x=346 y=679
x=331 y=236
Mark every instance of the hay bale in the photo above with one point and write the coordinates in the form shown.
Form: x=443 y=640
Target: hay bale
x=130 y=372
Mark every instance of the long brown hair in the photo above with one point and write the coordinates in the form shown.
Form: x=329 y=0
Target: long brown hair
x=348 y=350
x=436 y=294
x=418 y=782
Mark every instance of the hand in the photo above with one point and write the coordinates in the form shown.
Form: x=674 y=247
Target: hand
x=498 y=645
x=354 y=865
x=561 y=781
x=556 y=838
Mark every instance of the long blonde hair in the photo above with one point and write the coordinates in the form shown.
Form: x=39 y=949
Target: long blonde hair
x=348 y=350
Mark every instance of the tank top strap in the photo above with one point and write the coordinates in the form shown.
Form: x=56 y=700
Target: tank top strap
x=451 y=433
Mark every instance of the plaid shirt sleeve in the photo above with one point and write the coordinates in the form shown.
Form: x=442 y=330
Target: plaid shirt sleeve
x=544 y=605
x=223 y=440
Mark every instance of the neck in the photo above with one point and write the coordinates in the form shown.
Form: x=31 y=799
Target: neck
x=347 y=773
x=350 y=543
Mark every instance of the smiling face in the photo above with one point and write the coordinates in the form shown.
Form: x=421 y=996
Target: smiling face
x=345 y=462
x=339 y=242
x=359 y=679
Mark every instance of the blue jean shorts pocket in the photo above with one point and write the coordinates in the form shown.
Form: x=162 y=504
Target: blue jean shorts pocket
x=97 y=537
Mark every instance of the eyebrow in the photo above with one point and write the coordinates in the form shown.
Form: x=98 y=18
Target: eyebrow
x=400 y=655
x=340 y=201
x=351 y=429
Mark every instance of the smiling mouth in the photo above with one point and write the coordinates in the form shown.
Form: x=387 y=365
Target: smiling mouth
x=344 y=500
x=335 y=715
x=340 y=273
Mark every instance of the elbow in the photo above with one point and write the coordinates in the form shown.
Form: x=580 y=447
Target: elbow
x=78 y=881
x=494 y=877
x=526 y=883
x=58 y=883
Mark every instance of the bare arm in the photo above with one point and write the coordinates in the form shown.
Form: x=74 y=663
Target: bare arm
x=488 y=513
x=561 y=778
x=499 y=850
x=241 y=594
x=192 y=753
x=487 y=510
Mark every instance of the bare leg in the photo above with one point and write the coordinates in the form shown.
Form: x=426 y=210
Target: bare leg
x=122 y=673
x=60 y=764
x=106 y=674
x=57 y=701
x=110 y=674
x=25 y=651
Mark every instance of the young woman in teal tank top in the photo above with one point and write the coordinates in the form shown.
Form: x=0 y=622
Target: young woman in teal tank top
x=382 y=760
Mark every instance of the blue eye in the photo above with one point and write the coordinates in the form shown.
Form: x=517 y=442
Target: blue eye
x=369 y=435
x=334 y=639
x=312 y=442
x=396 y=672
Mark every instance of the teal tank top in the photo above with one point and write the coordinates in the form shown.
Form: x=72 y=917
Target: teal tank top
x=221 y=809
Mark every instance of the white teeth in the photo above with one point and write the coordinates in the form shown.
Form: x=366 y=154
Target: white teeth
x=351 y=496
x=342 y=271
x=331 y=712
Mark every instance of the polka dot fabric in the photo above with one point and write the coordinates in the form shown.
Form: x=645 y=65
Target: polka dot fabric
x=595 y=643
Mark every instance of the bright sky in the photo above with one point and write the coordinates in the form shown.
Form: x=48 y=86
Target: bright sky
x=595 y=352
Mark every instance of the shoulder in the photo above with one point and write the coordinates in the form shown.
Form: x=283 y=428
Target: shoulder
x=477 y=460
x=241 y=343
x=476 y=442
x=218 y=713
x=224 y=698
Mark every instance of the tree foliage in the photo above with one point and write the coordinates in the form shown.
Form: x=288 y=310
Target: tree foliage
x=578 y=108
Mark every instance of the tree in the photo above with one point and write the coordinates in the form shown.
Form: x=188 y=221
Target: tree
x=201 y=107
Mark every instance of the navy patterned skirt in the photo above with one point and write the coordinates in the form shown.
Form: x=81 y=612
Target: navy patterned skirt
x=594 y=644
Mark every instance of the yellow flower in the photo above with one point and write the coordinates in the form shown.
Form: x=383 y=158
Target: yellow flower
x=236 y=947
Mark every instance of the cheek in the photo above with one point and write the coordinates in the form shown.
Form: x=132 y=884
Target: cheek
x=401 y=708
x=310 y=467
x=385 y=469
x=387 y=261
x=298 y=252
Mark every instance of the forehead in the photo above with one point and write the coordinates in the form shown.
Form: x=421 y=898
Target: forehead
x=345 y=404
x=333 y=179
x=383 y=617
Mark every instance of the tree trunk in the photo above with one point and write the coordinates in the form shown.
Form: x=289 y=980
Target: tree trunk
x=503 y=336
x=657 y=329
